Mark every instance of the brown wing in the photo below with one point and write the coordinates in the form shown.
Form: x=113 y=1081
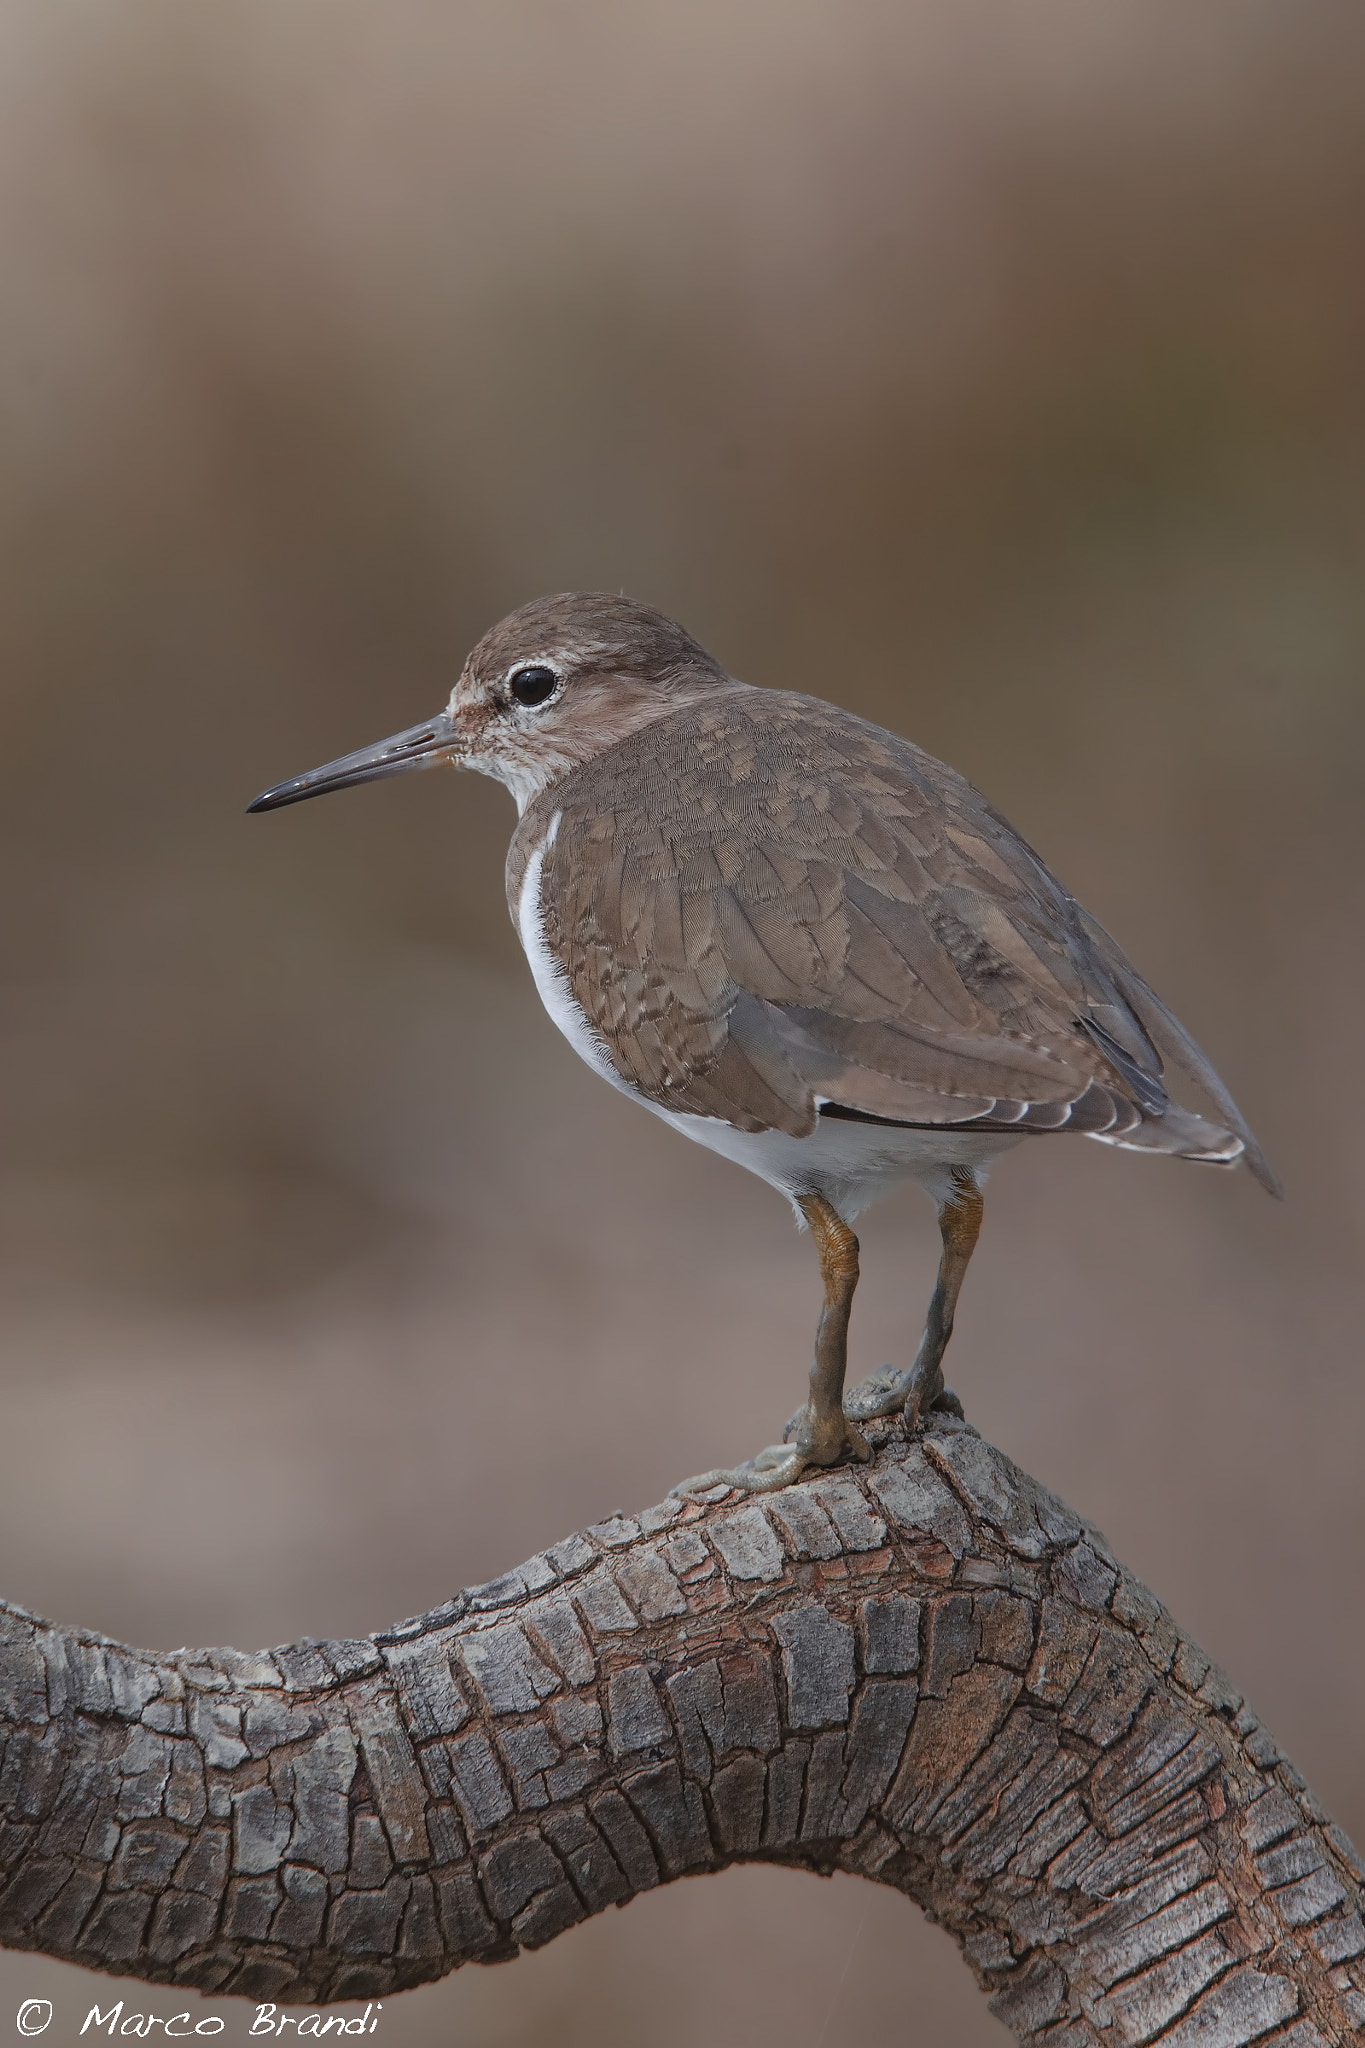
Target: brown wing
x=768 y=908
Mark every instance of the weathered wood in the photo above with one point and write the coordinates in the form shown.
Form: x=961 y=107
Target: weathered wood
x=927 y=1671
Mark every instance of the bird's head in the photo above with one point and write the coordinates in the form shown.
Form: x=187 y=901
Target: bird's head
x=546 y=689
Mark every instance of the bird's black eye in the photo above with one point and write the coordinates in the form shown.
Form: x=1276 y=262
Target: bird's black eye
x=532 y=685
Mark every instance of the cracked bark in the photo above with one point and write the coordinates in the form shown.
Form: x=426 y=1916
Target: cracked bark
x=928 y=1672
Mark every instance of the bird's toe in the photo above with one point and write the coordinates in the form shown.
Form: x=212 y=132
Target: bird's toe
x=776 y=1466
x=883 y=1393
x=811 y=1440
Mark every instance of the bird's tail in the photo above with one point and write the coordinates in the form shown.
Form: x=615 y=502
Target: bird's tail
x=1179 y=1130
x=1185 y=1136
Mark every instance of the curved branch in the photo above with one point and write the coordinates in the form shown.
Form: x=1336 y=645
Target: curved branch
x=928 y=1672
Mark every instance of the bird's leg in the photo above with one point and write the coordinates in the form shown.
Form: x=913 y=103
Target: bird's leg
x=822 y=1429
x=920 y=1387
x=820 y=1433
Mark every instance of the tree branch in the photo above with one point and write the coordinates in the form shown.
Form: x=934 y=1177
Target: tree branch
x=928 y=1672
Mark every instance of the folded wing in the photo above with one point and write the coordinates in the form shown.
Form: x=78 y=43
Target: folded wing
x=769 y=910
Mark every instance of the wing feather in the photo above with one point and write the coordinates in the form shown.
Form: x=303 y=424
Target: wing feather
x=770 y=910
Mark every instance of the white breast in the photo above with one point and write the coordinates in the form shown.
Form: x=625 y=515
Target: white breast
x=552 y=983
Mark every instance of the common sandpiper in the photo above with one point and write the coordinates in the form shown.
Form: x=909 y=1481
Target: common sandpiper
x=804 y=943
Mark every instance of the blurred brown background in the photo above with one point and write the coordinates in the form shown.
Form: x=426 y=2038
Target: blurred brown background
x=996 y=371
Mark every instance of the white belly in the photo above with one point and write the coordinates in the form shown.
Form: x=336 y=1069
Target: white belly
x=850 y=1164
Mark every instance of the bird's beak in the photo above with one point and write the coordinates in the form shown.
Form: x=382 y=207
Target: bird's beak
x=421 y=746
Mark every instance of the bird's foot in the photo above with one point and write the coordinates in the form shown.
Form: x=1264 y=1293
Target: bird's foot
x=777 y=1466
x=882 y=1393
x=910 y=1393
x=811 y=1440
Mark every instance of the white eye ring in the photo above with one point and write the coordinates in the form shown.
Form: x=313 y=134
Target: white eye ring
x=531 y=684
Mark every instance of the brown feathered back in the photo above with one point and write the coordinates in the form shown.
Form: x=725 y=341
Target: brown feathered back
x=763 y=903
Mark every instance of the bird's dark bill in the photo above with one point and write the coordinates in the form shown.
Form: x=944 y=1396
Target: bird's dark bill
x=420 y=746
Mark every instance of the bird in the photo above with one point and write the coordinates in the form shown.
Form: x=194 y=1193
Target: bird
x=806 y=944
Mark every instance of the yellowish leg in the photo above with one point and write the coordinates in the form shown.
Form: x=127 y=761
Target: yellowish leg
x=915 y=1390
x=821 y=1433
